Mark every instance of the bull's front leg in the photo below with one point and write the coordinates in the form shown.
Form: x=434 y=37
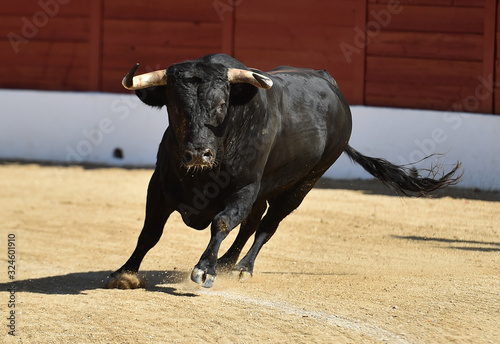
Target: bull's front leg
x=237 y=208
x=157 y=213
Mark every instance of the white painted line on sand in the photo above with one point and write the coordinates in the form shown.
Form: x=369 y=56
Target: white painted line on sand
x=354 y=325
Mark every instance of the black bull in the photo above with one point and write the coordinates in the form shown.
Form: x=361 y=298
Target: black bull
x=240 y=142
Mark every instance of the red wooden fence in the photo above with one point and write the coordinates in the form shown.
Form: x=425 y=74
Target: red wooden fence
x=430 y=54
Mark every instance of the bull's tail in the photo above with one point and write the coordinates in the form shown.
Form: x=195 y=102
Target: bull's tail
x=402 y=179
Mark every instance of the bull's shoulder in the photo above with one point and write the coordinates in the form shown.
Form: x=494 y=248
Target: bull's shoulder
x=283 y=71
x=289 y=70
x=327 y=76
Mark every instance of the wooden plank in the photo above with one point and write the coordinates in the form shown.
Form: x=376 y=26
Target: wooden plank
x=497 y=54
x=47 y=77
x=496 y=96
x=282 y=32
x=58 y=28
x=414 y=95
x=295 y=12
x=173 y=10
x=428 y=84
x=96 y=37
x=55 y=55
x=112 y=80
x=46 y=65
x=466 y=3
x=456 y=3
x=451 y=46
x=165 y=34
x=497 y=101
x=147 y=43
x=266 y=59
x=490 y=12
x=349 y=89
x=50 y=53
x=422 y=71
x=498 y=16
x=150 y=57
x=228 y=24
x=426 y=19
x=154 y=45
x=359 y=60
x=292 y=37
x=29 y=9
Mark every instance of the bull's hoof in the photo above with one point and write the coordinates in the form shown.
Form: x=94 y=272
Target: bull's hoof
x=125 y=280
x=241 y=275
x=201 y=277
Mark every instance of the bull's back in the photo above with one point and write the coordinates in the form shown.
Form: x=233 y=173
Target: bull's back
x=314 y=124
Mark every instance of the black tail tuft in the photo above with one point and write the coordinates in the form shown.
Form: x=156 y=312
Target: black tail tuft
x=402 y=179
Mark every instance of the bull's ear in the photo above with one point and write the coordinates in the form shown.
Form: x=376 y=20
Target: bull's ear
x=242 y=93
x=153 y=96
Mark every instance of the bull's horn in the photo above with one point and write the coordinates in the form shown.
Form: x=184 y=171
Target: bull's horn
x=240 y=76
x=156 y=78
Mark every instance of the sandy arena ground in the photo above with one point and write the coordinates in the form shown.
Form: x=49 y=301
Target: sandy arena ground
x=349 y=266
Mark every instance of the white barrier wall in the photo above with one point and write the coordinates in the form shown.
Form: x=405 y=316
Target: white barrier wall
x=82 y=127
x=72 y=127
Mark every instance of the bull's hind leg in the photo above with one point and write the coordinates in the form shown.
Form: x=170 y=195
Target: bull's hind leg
x=248 y=228
x=157 y=214
x=280 y=206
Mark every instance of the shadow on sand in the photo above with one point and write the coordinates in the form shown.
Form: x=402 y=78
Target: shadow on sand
x=368 y=187
x=375 y=187
x=457 y=244
x=79 y=282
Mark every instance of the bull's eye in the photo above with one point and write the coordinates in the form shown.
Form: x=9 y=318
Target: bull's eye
x=220 y=108
x=173 y=108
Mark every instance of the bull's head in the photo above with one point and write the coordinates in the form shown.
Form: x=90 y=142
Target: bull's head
x=197 y=98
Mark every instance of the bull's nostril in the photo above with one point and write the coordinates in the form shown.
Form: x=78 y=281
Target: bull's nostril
x=188 y=157
x=207 y=155
x=198 y=157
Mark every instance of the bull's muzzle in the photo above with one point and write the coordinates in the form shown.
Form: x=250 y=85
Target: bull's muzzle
x=198 y=158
